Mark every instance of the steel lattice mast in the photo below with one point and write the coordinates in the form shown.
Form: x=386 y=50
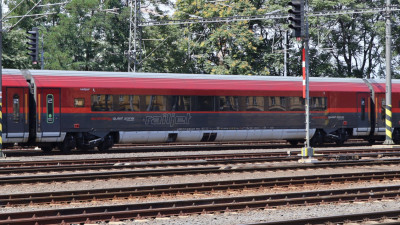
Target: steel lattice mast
x=135 y=36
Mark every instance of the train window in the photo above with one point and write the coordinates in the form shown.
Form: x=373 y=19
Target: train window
x=275 y=103
x=318 y=103
x=50 y=108
x=255 y=103
x=156 y=103
x=79 y=102
x=180 y=103
x=102 y=103
x=228 y=103
x=128 y=103
x=383 y=111
x=295 y=104
x=16 y=108
x=362 y=108
x=205 y=103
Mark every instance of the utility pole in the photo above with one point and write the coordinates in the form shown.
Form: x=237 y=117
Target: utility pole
x=1 y=79
x=307 y=151
x=135 y=36
x=388 y=107
x=285 y=40
x=300 y=27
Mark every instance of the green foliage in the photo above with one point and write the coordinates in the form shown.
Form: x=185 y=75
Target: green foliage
x=15 y=54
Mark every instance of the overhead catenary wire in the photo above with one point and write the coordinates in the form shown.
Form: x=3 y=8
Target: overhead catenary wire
x=264 y=17
x=24 y=15
x=12 y=10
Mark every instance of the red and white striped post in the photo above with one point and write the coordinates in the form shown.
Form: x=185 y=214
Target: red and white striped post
x=304 y=72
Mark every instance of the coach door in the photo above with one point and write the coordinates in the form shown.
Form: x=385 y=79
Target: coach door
x=363 y=109
x=380 y=104
x=49 y=115
x=16 y=116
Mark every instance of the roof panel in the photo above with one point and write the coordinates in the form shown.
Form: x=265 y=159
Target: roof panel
x=192 y=84
x=14 y=81
x=82 y=79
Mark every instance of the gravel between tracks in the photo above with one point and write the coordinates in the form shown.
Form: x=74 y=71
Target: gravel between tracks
x=252 y=216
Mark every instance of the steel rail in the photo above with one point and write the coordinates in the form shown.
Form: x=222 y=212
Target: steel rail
x=133 y=165
x=192 y=165
x=383 y=218
x=162 y=190
x=192 y=171
x=322 y=153
x=266 y=156
x=201 y=206
x=167 y=147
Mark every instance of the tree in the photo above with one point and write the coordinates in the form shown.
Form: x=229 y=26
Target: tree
x=352 y=40
x=222 y=48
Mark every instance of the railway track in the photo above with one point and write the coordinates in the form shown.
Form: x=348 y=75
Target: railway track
x=171 y=147
x=190 y=166
x=203 y=206
x=193 y=188
x=383 y=218
x=171 y=172
x=265 y=156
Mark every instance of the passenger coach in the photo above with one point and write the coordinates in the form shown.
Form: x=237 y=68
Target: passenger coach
x=98 y=109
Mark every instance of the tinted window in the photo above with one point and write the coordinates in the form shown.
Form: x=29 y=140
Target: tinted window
x=255 y=103
x=179 y=103
x=102 y=103
x=128 y=103
x=16 y=103
x=205 y=103
x=156 y=103
x=318 y=103
x=228 y=103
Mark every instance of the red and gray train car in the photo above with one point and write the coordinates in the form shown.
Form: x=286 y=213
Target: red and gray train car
x=83 y=110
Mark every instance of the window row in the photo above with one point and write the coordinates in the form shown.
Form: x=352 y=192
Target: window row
x=200 y=103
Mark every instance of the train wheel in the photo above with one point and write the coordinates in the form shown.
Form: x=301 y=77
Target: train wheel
x=317 y=139
x=65 y=148
x=339 y=142
x=46 y=148
x=68 y=144
x=293 y=142
x=342 y=137
x=396 y=136
x=84 y=148
x=371 y=141
x=106 y=144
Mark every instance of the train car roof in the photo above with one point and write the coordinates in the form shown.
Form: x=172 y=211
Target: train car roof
x=125 y=80
x=14 y=80
x=379 y=85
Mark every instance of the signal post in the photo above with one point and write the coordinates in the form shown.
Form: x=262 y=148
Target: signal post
x=1 y=79
x=34 y=44
x=300 y=31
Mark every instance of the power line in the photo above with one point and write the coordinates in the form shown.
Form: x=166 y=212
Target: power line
x=262 y=17
x=25 y=15
x=53 y=4
x=32 y=15
x=213 y=20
